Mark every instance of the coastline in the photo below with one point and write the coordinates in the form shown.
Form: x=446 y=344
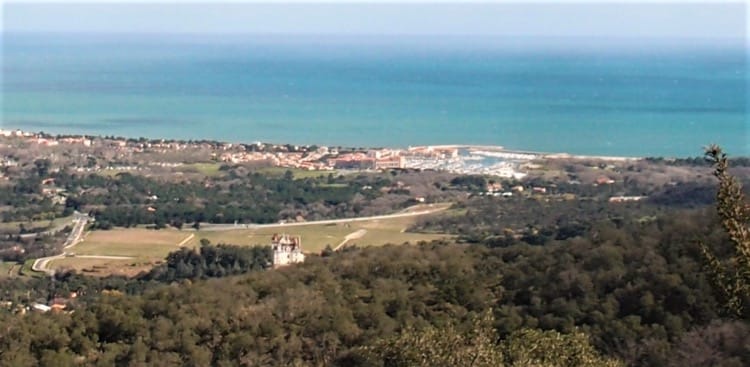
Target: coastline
x=320 y=99
x=544 y=155
x=529 y=154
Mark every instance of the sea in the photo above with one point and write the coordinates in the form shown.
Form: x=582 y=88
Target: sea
x=614 y=97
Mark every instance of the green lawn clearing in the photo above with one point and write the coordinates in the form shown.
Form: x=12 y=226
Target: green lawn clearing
x=139 y=243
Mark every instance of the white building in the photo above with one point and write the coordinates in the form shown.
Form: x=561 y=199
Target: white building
x=621 y=199
x=286 y=250
x=40 y=307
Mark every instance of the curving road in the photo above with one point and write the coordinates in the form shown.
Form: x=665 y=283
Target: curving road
x=80 y=221
x=79 y=224
x=51 y=231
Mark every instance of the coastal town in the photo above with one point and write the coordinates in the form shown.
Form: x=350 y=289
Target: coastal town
x=485 y=160
x=374 y=183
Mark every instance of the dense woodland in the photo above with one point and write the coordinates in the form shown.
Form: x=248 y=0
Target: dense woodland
x=539 y=220
x=124 y=200
x=211 y=262
x=533 y=280
x=19 y=247
x=237 y=194
x=636 y=289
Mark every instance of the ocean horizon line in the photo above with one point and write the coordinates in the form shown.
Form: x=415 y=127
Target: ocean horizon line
x=543 y=40
x=612 y=101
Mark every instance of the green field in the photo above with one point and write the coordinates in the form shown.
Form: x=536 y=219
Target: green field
x=147 y=247
x=298 y=173
x=207 y=169
x=140 y=243
x=102 y=266
x=145 y=244
x=9 y=269
x=26 y=269
x=315 y=237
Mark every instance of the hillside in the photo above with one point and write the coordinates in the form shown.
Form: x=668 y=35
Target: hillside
x=637 y=291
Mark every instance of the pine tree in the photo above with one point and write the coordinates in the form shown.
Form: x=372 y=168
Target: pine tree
x=731 y=277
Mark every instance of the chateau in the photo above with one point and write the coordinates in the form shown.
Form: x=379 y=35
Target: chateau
x=286 y=250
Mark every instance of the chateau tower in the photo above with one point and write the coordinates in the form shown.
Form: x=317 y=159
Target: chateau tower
x=286 y=250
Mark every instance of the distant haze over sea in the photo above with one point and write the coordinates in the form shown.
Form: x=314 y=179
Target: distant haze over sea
x=582 y=96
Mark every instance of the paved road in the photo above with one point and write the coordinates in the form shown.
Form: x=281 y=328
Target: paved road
x=79 y=224
x=52 y=231
x=80 y=221
x=105 y=257
x=406 y=213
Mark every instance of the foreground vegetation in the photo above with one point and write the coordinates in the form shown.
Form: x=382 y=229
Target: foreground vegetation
x=637 y=291
x=730 y=265
x=533 y=280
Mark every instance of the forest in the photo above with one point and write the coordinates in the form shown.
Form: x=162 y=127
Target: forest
x=256 y=198
x=211 y=262
x=239 y=194
x=637 y=291
x=529 y=281
x=536 y=220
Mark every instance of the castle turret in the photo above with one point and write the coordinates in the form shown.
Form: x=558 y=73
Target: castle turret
x=286 y=250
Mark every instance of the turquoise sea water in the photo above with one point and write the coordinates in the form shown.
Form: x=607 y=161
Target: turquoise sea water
x=602 y=99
